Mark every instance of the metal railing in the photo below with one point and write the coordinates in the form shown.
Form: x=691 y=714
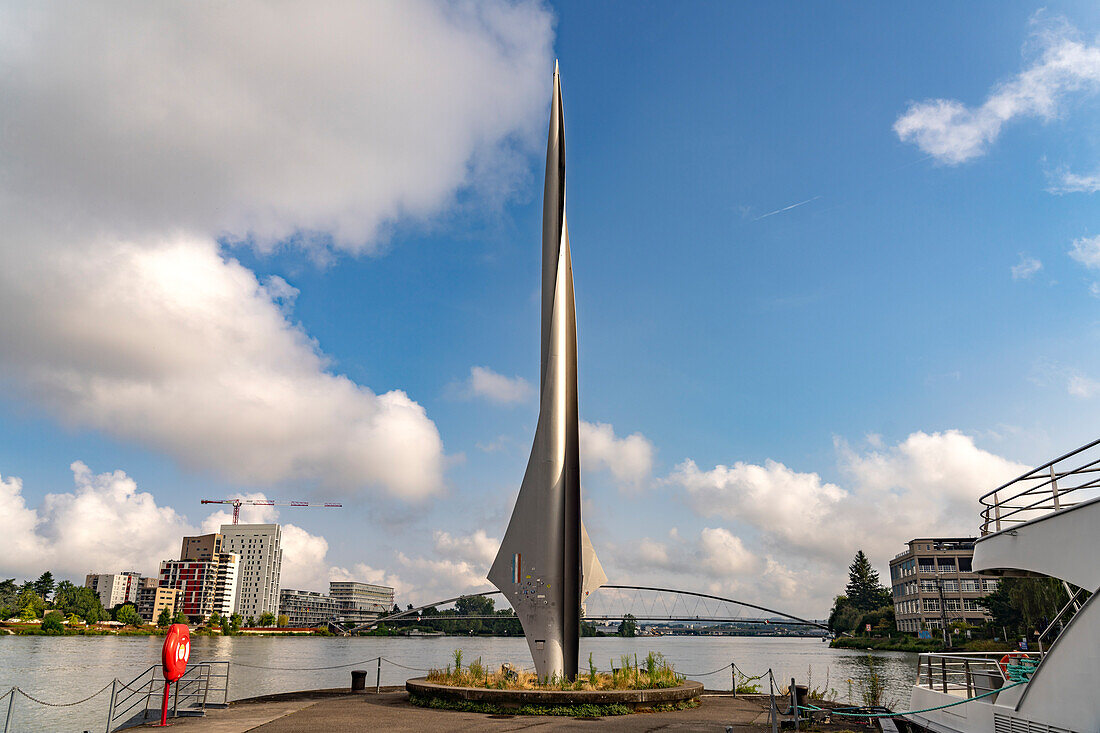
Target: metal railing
x=1065 y=482
x=205 y=684
x=967 y=674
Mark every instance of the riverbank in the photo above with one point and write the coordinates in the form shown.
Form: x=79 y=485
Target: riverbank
x=909 y=644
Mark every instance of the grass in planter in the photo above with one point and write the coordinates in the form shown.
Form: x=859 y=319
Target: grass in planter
x=655 y=672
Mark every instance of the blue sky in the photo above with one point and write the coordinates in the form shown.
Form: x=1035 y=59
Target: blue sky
x=908 y=333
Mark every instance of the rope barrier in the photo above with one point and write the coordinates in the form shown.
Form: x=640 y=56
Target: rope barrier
x=304 y=669
x=723 y=668
x=402 y=666
x=61 y=704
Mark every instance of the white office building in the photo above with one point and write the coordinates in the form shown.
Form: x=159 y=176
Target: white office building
x=259 y=547
x=114 y=588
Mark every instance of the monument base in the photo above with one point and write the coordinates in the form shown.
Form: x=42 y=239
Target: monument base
x=515 y=699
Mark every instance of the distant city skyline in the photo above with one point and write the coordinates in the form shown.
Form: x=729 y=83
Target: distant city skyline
x=837 y=274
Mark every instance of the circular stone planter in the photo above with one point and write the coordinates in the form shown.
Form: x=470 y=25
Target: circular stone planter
x=518 y=698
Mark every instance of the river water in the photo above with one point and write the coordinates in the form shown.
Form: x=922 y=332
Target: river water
x=62 y=669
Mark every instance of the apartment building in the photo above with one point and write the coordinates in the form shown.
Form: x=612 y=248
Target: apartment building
x=114 y=588
x=152 y=598
x=259 y=547
x=204 y=586
x=933 y=580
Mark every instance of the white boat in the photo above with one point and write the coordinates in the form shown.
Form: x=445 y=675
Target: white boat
x=1045 y=523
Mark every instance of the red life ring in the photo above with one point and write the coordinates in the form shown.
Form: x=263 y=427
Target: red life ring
x=176 y=651
x=1006 y=659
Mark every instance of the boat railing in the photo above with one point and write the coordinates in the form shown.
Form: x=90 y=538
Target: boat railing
x=1065 y=482
x=969 y=674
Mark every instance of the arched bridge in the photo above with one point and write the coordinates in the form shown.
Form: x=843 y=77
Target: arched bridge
x=647 y=604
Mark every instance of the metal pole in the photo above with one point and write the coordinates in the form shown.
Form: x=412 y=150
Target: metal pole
x=378 y=678
x=1054 y=488
x=111 y=706
x=733 y=674
x=11 y=708
x=773 y=712
x=794 y=703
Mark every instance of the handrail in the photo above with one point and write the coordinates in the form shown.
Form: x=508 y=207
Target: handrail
x=1041 y=490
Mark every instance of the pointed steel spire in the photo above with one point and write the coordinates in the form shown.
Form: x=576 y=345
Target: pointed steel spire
x=546 y=565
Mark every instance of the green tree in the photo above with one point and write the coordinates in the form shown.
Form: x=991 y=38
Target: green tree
x=267 y=619
x=128 y=615
x=250 y=622
x=474 y=606
x=44 y=585
x=165 y=617
x=8 y=593
x=283 y=621
x=51 y=623
x=629 y=626
x=215 y=619
x=235 y=622
x=864 y=591
x=1025 y=605
x=84 y=602
x=181 y=618
x=28 y=600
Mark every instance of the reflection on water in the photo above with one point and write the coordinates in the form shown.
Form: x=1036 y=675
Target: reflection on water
x=69 y=668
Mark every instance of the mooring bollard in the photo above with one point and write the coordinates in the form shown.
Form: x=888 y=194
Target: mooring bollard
x=358 y=680
x=378 y=679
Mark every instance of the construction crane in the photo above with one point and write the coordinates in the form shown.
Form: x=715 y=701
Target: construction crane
x=263 y=502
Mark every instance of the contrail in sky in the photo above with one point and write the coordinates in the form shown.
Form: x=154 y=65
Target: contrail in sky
x=786 y=208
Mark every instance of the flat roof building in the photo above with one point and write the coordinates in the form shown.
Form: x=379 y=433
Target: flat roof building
x=152 y=598
x=260 y=549
x=204 y=586
x=307 y=607
x=201 y=547
x=114 y=588
x=361 y=602
x=934 y=579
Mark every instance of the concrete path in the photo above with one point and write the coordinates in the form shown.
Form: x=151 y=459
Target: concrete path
x=390 y=711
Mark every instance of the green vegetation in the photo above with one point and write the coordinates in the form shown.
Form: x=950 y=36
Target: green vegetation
x=654 y=672
x=267 y=619
x=282 y=621
x=1023 y=606
x=165 y=617
x=629 y=626
x=866 y=601
x=128 y=615
x=51 y=623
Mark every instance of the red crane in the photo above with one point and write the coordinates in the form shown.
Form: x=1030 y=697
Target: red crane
x=263 y=502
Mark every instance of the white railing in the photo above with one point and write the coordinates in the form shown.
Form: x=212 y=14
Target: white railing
x=967 y=674
x=1065 y=482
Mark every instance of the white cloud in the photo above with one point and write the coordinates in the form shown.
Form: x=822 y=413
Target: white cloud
x=629 y=459
x=124 y=160
x=724 y=554
x=484 y=382
x=787 y=537
x=1081 y=386
x=1086 y=250
x=953 y=133
x=894 y=494
x=1026 y=267
x=106 y=525
x=1076 y=183
x=322 y=119
x=475 y=548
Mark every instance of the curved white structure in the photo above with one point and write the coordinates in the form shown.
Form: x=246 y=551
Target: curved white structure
x=1045 y=523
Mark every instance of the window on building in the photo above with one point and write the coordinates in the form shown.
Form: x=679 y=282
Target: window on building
x=952 y=604
x=971 y=604
x=951 y=586
x=990 y=585
x=966 y=565
x=931 y=605
x=970 y=586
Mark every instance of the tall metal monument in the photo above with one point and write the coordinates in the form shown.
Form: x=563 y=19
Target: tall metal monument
x=546 y=565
